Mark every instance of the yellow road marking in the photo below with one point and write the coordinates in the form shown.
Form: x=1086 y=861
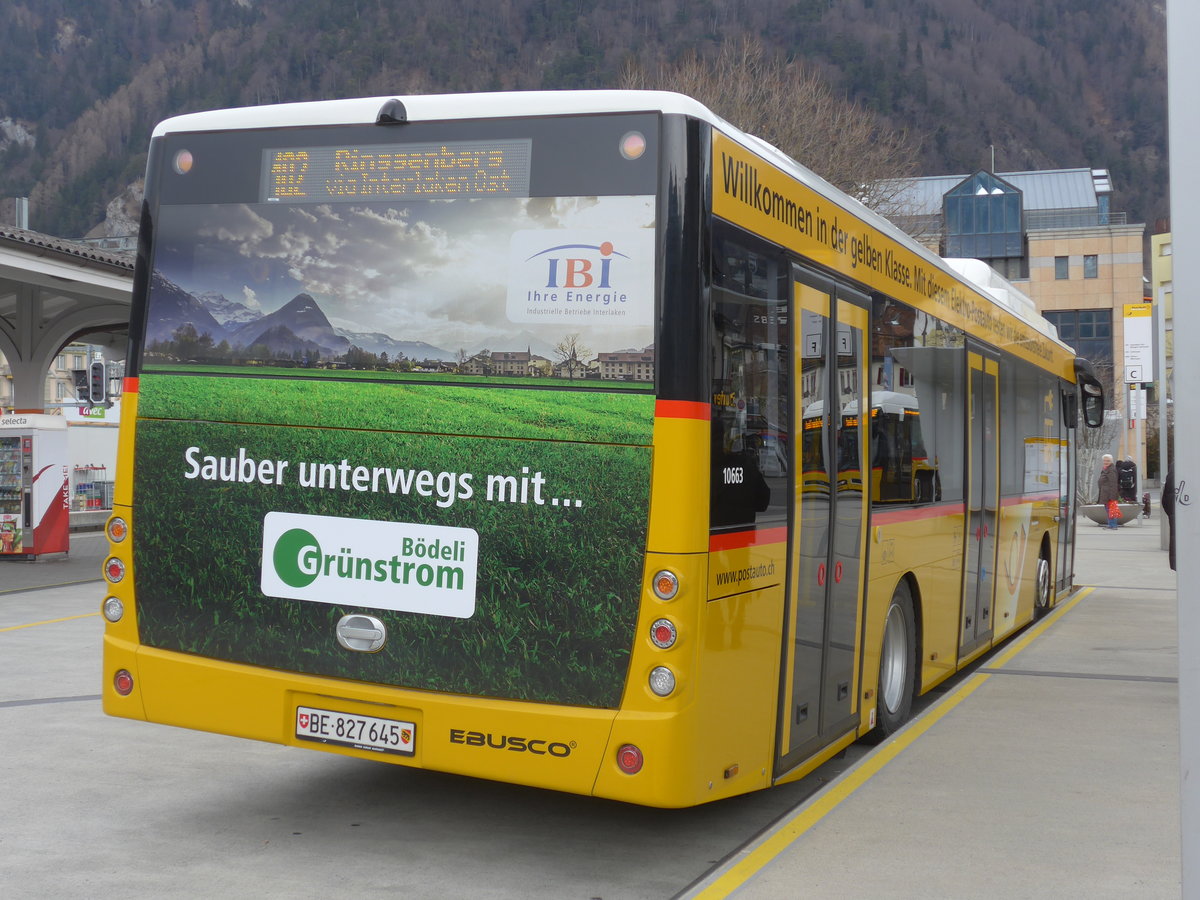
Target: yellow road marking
x=50 y=621
x=758 y=858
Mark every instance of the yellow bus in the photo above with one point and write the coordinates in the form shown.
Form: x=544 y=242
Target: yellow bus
x=459 y=433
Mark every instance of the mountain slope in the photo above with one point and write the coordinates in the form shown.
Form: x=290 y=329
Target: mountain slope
x=300 y=319
x=1045 y=83
x=174 y=308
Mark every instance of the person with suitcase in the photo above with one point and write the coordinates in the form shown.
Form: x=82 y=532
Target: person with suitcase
x=1127 y=480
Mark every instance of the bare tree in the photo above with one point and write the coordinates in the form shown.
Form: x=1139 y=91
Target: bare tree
x=1092 y=443
x=1090 y=447
x=790 y=106
x=571 y=353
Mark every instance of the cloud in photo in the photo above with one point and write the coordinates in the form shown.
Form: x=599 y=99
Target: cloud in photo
x=434 y=271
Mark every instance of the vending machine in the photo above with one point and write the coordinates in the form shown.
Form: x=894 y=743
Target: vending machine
x=35 y=496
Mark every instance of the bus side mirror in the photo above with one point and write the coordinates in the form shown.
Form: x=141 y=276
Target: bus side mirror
x=1093 y=393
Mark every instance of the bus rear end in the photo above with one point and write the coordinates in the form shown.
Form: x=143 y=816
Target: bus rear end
x=391 y=428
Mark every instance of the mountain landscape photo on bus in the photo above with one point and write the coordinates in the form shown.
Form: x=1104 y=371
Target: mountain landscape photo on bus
x=526 y=290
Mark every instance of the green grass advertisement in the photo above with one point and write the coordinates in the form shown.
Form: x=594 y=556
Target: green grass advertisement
x=435 y=412
x=506 y=567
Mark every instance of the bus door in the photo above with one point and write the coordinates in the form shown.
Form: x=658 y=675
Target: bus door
x=829 y=518
x=983 y=500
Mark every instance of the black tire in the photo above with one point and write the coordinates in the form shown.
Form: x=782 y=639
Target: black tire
x=897 y=664
x=1043 y=585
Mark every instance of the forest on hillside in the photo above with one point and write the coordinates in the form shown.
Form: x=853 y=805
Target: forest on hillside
x=1042 y=83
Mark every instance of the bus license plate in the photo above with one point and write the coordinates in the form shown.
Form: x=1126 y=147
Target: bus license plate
x=326 y=726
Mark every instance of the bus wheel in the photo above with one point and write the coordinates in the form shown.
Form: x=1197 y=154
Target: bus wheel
x=1044 y=587
x=897 y=664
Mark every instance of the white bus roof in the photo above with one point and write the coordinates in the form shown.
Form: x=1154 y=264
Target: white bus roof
x=884 y=401
x=440 y=107
x=510 y=104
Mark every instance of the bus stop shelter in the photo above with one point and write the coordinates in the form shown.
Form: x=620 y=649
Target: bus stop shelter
x=52 y=292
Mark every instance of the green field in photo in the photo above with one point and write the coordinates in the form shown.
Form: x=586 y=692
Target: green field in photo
x=592 y=416
x=558 y=587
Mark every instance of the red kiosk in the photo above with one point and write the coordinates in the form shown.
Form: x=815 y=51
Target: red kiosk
x=35 y=496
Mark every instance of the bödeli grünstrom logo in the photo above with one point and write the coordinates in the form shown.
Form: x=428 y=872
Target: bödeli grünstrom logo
x=399 y=566
x=297 y=558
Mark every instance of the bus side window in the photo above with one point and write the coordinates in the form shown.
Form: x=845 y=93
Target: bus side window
x=917 y=406
x=750 y=434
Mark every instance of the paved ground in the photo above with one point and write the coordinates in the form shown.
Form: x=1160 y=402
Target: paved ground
x=1050 y=772
x=81 y=564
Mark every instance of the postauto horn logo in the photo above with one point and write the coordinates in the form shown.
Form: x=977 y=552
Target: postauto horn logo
x=399 y=566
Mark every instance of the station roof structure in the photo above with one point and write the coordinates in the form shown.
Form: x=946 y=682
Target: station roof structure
x=54 y=291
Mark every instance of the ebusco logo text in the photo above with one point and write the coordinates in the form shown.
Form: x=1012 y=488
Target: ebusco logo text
x=360 y=562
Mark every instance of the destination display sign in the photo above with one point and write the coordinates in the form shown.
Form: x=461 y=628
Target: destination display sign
x=396 y=171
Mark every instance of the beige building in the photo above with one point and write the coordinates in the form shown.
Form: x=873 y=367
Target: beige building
x=510 y=362
x=1162 y=294
x=627 y=365
x=540 y=367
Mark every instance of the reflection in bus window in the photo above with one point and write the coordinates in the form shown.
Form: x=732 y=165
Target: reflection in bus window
x=812 y=443
x=900 y=466
x=749 y=403
x=917 y=406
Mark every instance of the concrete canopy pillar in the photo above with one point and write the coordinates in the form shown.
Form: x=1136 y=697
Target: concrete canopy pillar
x=44 y=305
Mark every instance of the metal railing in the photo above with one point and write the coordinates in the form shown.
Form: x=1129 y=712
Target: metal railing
x=1042 y=221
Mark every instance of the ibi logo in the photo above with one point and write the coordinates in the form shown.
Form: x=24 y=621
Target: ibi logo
x=566 y=275
x=384 y=565
x=590 y=267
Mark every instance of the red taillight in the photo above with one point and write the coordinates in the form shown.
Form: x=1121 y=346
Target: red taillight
x=629 y=759
x=114 y=569
x=123 y=682
x=662 y=632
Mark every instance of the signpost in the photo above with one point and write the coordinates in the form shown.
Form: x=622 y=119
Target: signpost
x=1139 y=343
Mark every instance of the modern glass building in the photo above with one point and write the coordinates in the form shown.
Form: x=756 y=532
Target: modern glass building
x=1053 y=234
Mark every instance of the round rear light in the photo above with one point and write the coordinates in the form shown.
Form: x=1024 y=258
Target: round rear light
x=633 y=145
x=113 y=609
x=123 y=682
x=117 y=529
x=663 y=633
x=662 y=681
x=666 y=585
x=629 y=759
x=114 y=569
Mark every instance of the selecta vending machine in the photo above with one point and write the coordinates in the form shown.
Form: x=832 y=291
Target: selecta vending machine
x=35 y=496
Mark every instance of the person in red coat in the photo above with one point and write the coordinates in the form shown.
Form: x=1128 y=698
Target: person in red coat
x=1109 y=496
